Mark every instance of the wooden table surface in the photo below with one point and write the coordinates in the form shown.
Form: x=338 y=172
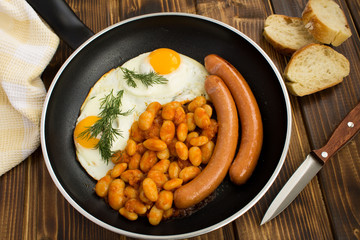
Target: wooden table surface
x=31 y=207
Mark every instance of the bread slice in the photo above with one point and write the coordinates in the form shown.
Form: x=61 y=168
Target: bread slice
x=326 y=21
x=286 y=34
x=314 y=68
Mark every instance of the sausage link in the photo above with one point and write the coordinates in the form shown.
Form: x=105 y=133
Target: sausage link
x=249 y=114
x=210 y=178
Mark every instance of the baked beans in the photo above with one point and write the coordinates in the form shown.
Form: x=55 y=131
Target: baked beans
x=168 y=146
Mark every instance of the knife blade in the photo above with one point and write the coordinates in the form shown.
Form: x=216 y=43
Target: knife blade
x=313 y=163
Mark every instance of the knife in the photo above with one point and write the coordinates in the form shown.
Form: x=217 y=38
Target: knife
x=346 y=130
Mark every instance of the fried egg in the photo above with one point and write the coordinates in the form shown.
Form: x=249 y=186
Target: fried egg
x=185 y=77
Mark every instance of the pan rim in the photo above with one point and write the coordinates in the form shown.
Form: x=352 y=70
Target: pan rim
x=184 y=235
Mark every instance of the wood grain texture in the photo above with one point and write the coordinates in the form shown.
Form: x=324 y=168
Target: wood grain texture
x=341 y=135
x=31 y=207
x=251 y=22
x=12 y=199
x=322 y=112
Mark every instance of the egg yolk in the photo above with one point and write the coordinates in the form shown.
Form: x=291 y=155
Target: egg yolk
x=164 y=60
x=85 y=141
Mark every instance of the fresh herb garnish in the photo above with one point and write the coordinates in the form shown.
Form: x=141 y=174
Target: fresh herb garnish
x=110 y=106
x=148 y=79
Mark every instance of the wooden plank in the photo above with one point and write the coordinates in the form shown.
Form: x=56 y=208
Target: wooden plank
x=249 y=18
x=353 y=7
x=12 y=202
x=322 y=113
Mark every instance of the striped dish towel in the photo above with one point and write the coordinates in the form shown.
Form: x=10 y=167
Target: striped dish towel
x=26 y=47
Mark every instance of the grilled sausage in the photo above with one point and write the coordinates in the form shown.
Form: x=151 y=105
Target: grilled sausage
x=215 y=171
x=250 y=118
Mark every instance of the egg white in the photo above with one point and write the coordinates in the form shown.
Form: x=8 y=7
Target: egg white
x=185 y=83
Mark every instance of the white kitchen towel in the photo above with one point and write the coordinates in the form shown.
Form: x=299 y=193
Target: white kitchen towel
x=27 y=45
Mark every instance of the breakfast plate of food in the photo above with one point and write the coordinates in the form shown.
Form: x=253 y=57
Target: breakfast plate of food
x=166 y=125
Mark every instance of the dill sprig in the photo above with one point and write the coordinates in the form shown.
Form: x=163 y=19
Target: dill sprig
x=148 y=79
x=110 y=106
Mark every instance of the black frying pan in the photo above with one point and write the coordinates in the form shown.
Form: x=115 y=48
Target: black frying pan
x=194 y=36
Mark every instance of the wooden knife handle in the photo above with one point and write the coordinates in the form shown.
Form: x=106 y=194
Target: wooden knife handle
x=346 y=130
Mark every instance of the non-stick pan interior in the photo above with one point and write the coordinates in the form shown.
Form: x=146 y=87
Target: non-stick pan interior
x=191 y=36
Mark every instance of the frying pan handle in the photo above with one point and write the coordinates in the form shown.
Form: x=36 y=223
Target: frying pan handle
x=62 y=20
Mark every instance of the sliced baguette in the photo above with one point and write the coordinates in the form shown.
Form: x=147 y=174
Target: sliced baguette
x=314 y=68
x=326 y=22
x=286 y=34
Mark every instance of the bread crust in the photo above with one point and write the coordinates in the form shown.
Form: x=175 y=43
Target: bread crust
x=280 y=47
x=316 y=27
x=300 y=91
x=320 y=30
